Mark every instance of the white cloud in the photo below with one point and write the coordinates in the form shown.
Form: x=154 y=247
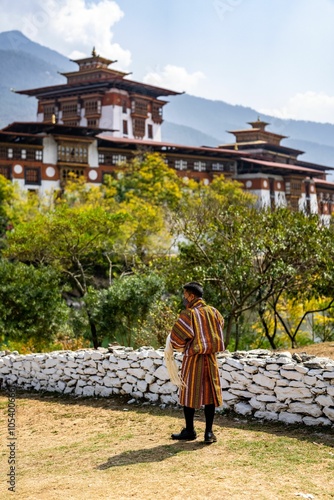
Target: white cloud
x=175 y=78
x=72 y=27
x=312 y=106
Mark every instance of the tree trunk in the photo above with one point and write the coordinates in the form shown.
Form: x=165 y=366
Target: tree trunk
x=228 y=331
x=267 y=332
x=93 y=330
x=236 y=334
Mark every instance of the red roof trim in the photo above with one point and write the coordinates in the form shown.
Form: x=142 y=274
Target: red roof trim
x=169 y=145
x=321 y=181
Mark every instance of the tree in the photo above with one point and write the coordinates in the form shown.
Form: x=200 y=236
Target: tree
x=68 y=239
x=149 y=179
x=249 y=257
x=118 y=310
x=6 y=193
x=31 y=305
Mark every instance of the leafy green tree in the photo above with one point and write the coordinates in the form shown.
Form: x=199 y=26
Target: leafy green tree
x=118 y=310
x=149 y=179
x=31 y=305
x=246 y=256
x=301 y=251
x=68 y=239
x=6 y=194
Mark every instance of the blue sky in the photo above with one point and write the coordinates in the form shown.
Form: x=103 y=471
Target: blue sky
x=276 y=56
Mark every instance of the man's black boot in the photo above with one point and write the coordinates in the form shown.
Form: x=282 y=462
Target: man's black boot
x=185 y=435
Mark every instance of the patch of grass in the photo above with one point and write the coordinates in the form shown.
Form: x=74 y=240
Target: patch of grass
x=69 y=446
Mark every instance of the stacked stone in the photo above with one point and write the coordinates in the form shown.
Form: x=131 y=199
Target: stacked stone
x=277 y=387
x=141 y=373
x=268 y=386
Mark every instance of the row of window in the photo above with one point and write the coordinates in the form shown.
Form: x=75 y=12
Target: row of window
x=139 y=128
x=141 y=107
x=92 y=106
x=202 y=166
x=21 y=154
x=71 y=153
x=31 y=175
x=114 y=159
x=198 y=166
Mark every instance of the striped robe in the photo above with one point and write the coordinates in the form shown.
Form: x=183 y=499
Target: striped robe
x=199 y=332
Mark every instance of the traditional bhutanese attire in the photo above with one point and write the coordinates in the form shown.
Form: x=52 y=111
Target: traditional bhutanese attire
x=199 y=332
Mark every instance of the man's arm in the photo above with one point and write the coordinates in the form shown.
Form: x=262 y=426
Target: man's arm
x=182 y=331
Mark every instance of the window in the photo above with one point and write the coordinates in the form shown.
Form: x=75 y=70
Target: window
x=38 y=155
x=180 y=164
x=92 y=107
x=71 y=123
x=118 y=159
x=72 y=153
x=150 y=131
x=10 y=153
x=92 y=123
x=70 y=109
x=157 y=112
x=218 y=167
x=23 y=154
x=6 y=172
x=101 y=158
x=139 y=127
x=124 y=106
x=48 y=110
x=32 y=175
x=295 y=186
x=125 y=127
x=139 y=107
x=199 y=166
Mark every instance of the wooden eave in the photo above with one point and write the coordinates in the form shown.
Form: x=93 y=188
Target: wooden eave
x=111 y=72
x=57 y=91
x=275 y=167
x=34 y=128
x=166 y=148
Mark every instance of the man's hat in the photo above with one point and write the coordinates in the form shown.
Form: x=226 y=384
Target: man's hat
x=194 y=287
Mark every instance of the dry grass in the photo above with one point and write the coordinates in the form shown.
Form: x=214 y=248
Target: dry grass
x=72 y=448
x=106 y=449
x=324 y=349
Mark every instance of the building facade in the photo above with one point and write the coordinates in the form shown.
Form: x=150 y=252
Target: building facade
x=99 y=119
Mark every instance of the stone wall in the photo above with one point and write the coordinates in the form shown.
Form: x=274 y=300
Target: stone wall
x=269 y=386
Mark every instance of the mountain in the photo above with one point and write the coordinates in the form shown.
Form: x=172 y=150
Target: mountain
x=189 y=120
x=26 y=64
x=216 y=118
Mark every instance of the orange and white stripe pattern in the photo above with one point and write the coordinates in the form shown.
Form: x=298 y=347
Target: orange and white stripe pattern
x=199 y=331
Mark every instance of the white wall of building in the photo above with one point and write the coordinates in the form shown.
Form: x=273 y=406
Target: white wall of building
x=50 y=150
x=93 y=155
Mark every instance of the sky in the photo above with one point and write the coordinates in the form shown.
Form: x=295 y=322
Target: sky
x=276 y=56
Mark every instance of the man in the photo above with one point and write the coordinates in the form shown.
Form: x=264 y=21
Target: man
x=199 y=333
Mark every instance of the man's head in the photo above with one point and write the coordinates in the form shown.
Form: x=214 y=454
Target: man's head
x=193 y=288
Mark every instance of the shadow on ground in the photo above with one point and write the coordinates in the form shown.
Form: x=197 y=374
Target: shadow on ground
x=148 y=455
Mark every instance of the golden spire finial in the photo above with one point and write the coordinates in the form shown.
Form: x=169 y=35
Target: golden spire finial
x=94 y=52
